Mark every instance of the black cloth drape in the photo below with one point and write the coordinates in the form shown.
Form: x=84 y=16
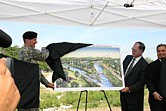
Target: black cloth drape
x=162 y=83
x=57 y=50
x=26 y=77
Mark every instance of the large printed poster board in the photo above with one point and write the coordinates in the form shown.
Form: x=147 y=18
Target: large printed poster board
x=96 y=67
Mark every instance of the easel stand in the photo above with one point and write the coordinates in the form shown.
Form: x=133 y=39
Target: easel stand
x=87 y=98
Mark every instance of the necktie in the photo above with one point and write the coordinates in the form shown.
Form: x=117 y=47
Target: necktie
x=130 y=67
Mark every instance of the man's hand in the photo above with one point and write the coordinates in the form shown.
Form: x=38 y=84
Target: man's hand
x=9 y=94
x=125 y=90
x=51 y=85
x=157 y=96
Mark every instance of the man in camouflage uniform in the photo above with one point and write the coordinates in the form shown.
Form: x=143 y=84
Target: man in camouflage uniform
x=29 y=54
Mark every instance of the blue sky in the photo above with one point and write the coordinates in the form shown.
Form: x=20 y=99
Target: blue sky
x=95 y=51
x=123 y=38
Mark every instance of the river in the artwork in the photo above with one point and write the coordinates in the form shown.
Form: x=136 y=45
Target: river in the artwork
x=104 y=81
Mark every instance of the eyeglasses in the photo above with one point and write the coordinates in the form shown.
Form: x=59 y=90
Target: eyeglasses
x=133 y=49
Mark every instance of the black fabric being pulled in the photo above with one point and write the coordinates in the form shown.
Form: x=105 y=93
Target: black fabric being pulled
x=57 y=50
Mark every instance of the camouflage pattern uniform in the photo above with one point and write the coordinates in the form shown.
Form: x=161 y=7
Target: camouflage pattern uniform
x=33 y=55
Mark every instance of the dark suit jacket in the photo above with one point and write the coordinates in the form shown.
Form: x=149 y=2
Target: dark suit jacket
x=135 y=80
x=153 y=78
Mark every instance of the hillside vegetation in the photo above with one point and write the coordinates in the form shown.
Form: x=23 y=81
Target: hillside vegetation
x=95 y=99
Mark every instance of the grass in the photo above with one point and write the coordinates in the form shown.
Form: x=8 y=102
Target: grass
x=47 y=95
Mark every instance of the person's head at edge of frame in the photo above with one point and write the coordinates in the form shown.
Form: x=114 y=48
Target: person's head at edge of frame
x=30 y=39
x=137 y=49
x=161 y=51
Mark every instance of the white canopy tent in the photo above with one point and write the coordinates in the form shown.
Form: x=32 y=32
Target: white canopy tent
x=102 y=13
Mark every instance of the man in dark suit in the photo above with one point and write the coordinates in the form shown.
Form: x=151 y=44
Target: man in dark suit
x=132 y=96
x=153 y=80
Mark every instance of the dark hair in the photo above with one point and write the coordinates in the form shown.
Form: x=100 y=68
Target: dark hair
x=29 y=35
x=142 y=46
x=160 y=46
